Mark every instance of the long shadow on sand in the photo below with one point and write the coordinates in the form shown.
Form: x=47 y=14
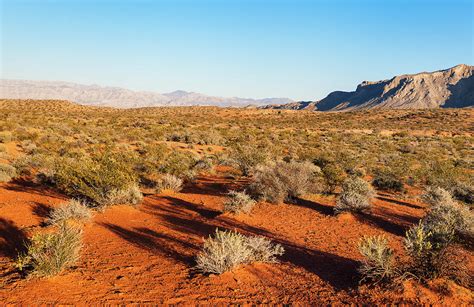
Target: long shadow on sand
x=184 y=227
x=12 y=239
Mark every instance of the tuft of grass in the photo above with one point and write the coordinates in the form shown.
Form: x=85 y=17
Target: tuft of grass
x=238 y=202
x=47 y=254
x=73 y=210
x=228 y=249
x=170 y=182
x=7 y=172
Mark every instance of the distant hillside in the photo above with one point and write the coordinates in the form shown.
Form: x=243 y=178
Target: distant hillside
x=119 y=97
x=450 y=88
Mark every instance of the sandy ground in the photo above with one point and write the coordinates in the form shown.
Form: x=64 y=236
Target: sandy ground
x=146 y=254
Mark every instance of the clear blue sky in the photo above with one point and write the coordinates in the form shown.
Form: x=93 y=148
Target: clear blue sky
x=294 y=48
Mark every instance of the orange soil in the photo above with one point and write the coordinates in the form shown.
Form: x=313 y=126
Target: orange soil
x=146 y=254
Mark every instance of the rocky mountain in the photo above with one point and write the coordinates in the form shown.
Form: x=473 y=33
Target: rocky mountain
x=119 y=97
x=450 y=88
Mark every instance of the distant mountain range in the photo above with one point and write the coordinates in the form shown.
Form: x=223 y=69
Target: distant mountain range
x=450 y=88
x=119 y=97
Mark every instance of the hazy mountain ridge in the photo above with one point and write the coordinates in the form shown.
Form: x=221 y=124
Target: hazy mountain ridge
x=449 y=88
x=118 y=97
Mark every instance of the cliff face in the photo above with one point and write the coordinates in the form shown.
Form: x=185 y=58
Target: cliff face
x=450 y=88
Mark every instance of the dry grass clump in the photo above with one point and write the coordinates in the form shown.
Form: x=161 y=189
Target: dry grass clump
x=48 y=254
x=355 y=196
x=228 y=249
x=7 y=172
x=170 y=182
x=282 y=181
x=72 y=210
x=238 y=202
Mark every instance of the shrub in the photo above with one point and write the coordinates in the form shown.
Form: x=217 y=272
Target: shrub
x=7 y=172
x=129 y=195
x=102 y=180
x=378 y=263
x=179 y=164
x=72 y=210
x=333 y=175
x=355 y=196
x=238 y=202
x=170 y=182
x=447 y=221
x=388 y=181
x=248 y=157
x=229 y=249
x=463 y=191
x=436 y=195
x=5 y=137
x=48 y=254
x=283 y=181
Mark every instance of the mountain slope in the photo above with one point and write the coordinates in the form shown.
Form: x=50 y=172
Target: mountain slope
x=118 y=97
x=450 y=88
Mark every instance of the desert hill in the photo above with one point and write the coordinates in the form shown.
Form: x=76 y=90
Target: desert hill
x=450 y=88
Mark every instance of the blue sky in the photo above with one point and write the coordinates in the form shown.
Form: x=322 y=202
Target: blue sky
x=293 y=48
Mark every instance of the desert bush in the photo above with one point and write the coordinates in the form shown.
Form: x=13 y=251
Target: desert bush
x=436 y=195
x=228 y=249
x=5 y=137
x=238 y=202
x=333 y=175
x=378 y=264
x=355 y=196
x=448 y=221
x=128 y=195
x=7 y=172
x=248 y=157
x=385 y=180
x=431 y=244
x=179 y=164
x=463 y=191
x=101 y=180
x=48 y=254
x=72 y=210
x=170 y=182
x=281 y=181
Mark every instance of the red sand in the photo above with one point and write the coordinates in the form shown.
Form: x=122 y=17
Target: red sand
x=146 y=254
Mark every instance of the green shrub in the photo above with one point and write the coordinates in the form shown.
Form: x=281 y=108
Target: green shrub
x=334 y=176
x=228 y=249
x=72 y=210
x=48 y=254
x=248 y=157
x=378 y=264
x=179 y=164
x=387 y=181
x=355 y=196
x=238 y=202
x=102 y=180
x=5 y=136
